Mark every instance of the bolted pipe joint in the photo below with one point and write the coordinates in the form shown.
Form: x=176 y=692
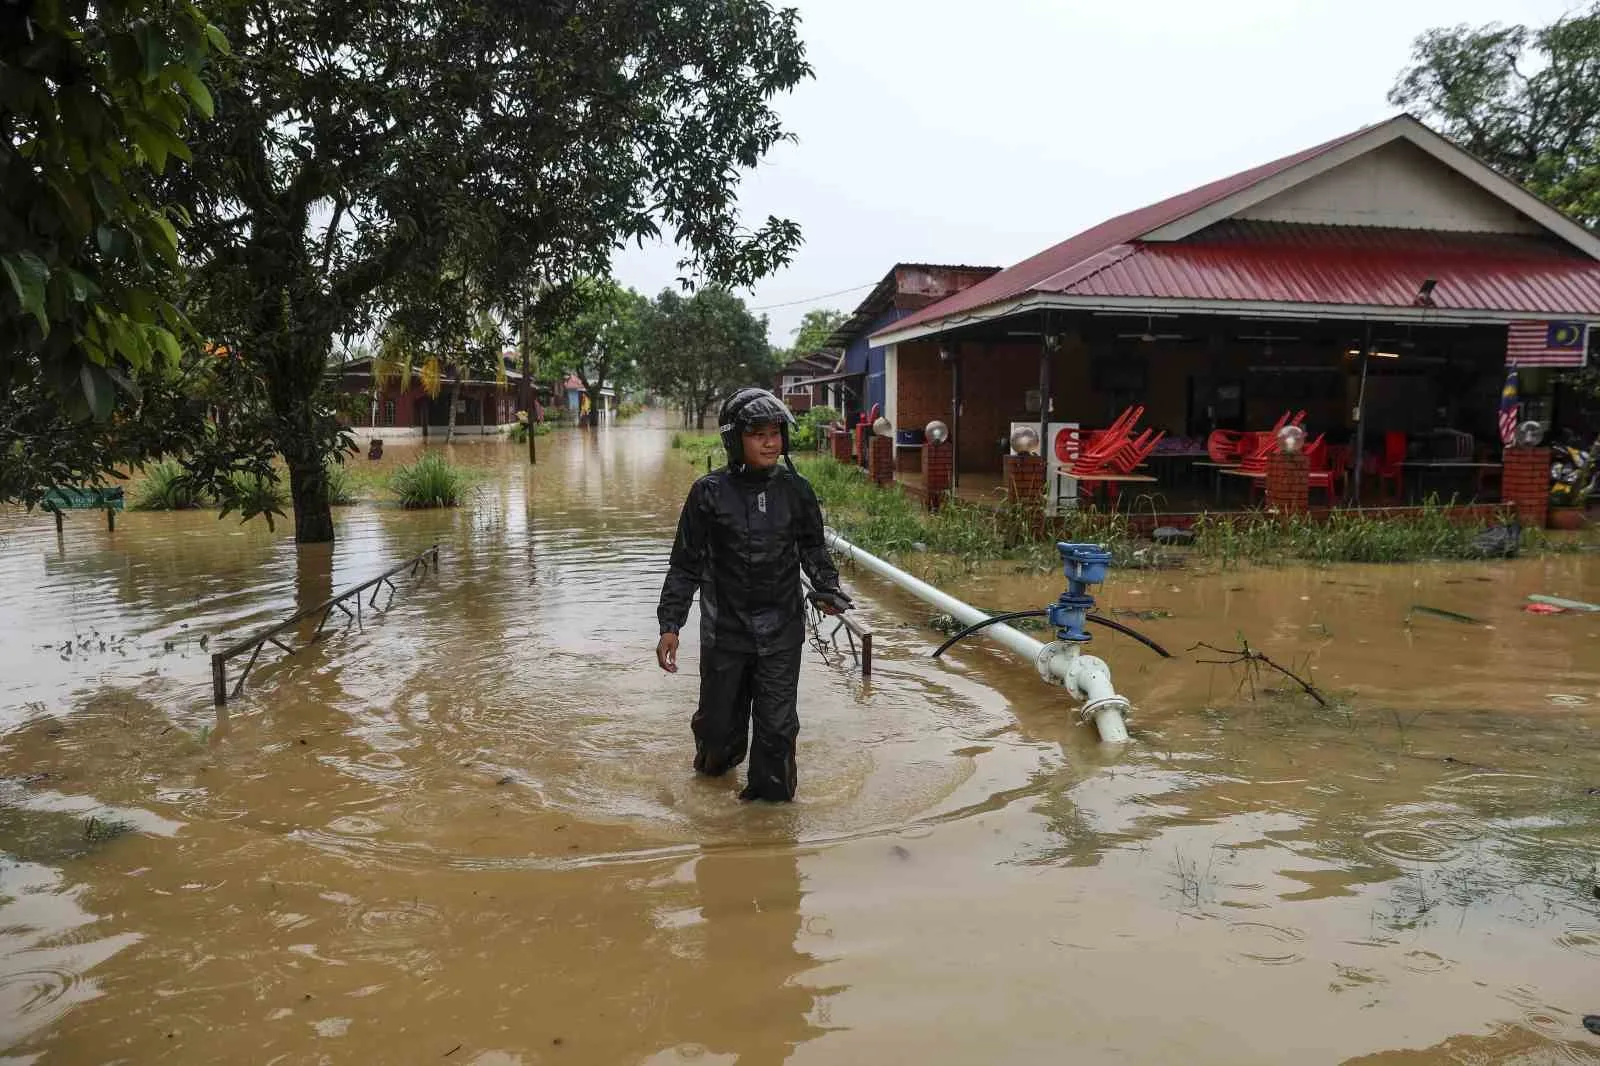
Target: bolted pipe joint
x=1087 y=678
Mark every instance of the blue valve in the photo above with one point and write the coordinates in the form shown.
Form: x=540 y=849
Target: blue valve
x=1084 y=565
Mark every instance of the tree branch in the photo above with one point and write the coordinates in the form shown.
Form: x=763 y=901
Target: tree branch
x=1252 y=661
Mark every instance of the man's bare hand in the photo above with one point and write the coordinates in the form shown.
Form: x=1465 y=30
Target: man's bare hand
x=667 y=652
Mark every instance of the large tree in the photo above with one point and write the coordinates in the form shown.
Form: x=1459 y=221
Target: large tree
x=94 y=104
x=1525 y=100
x=700 y=348
x=816 y=326
x=361 y=150
x=598 y=339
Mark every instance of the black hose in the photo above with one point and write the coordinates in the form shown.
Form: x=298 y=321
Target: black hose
x=991 y=620
x=1102 y=620
x=1097 y=619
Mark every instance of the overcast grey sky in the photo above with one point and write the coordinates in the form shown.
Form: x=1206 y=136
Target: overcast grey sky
x=982 y=131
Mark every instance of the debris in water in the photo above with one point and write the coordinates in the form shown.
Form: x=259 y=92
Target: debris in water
x=1439 y=612
x=452 y=1051
x=899 y=852
x=1500 y=542
x=1561 y=699
x=1570 y=605
x=1172 y=535
x=506 y=780
x=1150 y=615
x=1591 y=1022
x=1543 y=608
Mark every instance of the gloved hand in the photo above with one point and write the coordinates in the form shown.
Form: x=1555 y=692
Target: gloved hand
x=830 y=601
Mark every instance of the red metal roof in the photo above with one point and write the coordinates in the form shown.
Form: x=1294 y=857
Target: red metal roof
x=1038 y=271
x=1280 y=263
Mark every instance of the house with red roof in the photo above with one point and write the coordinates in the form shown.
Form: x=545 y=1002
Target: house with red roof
x=1376 y=282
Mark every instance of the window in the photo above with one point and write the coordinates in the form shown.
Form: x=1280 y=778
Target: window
x=388 y=412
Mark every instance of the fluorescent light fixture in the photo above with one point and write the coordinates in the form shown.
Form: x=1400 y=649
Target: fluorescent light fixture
x=1375 y=355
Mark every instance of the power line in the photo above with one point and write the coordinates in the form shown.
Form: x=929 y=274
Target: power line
x=814 y=299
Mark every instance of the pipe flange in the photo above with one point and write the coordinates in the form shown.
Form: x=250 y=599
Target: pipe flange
x=1110 y=703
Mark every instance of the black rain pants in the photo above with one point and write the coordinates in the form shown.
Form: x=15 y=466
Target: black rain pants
x=738 y=689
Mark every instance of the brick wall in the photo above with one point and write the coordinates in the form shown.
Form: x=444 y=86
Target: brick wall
x=1288 y=482
x=842 y=443
x=1025 y=478
x=881 y=459
x=1526 y=484
x=939 y=461
x=922 y=385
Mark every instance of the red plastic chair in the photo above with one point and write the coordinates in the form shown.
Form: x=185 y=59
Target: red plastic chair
x=1223 y=445
x=1389 y=468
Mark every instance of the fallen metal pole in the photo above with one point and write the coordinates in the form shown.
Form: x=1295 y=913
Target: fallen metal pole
x=1060 y=662
x=254 y=642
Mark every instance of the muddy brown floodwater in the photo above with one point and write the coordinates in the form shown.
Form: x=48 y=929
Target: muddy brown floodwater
x=467 y=833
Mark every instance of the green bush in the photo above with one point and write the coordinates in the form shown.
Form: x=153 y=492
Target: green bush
x=803 y=437
x=519 y=432
x=341 y=485
x=431 y=481
x=628 y=410
x=259 y=495
x=166 y=488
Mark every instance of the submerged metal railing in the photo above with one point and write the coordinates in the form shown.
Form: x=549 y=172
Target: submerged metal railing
x=858 y=638
x=256 y=641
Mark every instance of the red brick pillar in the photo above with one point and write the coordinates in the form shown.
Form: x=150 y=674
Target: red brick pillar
x=841 y=446
x=1288 y=482
x=938 y=464
x=880 y=459
x=1525 y=483
x=863 y=450
x=1025 y=479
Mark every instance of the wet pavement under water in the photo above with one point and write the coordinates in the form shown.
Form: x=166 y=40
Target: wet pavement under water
x=466 y=831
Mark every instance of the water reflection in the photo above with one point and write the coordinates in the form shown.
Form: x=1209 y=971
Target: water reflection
x=468 y=820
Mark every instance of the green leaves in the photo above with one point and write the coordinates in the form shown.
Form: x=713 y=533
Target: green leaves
x=1541 y=128
x=28 y=276
x=197 y=91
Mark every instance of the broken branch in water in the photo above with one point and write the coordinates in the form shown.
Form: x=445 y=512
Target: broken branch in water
x=1253 y=661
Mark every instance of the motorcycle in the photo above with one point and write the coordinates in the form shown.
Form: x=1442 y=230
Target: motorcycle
x=1574 y=473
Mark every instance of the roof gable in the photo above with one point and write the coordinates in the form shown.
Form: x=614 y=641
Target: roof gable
x=1472 y=198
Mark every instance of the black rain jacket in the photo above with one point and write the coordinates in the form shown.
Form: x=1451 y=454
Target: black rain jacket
x=742 y=538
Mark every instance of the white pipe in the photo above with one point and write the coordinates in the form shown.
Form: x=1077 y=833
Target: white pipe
x=1085 y=676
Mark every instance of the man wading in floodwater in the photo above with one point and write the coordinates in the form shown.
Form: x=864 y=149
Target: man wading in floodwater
x=744 y=534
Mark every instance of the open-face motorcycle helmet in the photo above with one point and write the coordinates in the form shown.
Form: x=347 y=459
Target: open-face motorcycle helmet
x=746 y=408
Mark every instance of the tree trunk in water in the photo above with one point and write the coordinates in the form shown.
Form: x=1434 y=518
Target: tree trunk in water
x=308 y=488
x=450 y=425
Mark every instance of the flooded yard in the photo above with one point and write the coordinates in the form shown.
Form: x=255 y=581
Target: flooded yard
x=466 y=831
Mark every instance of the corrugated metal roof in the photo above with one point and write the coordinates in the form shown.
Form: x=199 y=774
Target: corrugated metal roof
x=882 y=297
x=1039 y=271
x=1264 y=262
x=1349 y=265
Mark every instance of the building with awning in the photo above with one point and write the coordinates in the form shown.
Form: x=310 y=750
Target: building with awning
x=1377 y=282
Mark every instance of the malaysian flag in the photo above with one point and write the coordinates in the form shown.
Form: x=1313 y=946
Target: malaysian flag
x=1547 y=343
x=1509 y=407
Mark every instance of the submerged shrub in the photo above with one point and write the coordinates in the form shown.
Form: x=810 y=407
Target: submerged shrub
x=431 y=481
x=166 y=488
x=341 y=485
x=258 y=495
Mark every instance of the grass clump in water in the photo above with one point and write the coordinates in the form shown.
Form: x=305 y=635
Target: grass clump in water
x=1351 y=536
x=166 y=487
x=698 y=447
x=341 y=485
x=431 y=481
